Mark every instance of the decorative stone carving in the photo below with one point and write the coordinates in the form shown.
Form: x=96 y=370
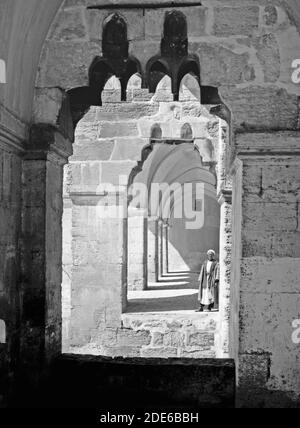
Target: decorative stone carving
x=174 y=59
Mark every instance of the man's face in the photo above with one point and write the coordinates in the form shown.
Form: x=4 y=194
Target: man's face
x=210 y=257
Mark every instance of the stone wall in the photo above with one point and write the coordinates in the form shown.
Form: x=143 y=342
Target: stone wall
x=188 y=248
x=269 y=285
x=106 y=253
x=246 y=49
x=247 y=45
x=10 y=222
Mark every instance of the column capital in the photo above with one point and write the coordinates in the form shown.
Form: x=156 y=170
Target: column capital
x=47 y=143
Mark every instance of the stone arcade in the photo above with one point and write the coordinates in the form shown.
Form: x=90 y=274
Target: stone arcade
x=188 y=93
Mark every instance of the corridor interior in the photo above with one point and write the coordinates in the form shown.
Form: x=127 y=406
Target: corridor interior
x=175 y=292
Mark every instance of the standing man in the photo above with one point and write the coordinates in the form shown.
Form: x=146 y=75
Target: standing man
x=209 y=283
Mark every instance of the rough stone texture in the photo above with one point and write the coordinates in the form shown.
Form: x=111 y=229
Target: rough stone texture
x=269 y=293
x=65 y=65
x=69 y=26
x=262 y=108
x=10 y=221
x=269 y=56
x=231 y=21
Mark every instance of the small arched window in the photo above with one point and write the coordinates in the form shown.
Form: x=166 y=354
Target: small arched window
x=156 y=132
x=186 y=132
x=114 y=37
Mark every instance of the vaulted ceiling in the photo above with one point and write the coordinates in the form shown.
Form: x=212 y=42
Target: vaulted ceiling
x=24 y=25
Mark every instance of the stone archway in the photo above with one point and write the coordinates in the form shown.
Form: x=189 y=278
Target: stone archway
x=260 y=130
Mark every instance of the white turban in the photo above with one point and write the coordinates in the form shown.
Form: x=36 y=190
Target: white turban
x=211 y=252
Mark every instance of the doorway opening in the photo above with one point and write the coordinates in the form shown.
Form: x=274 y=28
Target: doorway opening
x=130 y=285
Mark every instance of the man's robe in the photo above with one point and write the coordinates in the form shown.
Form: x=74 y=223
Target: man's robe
x=209 y=282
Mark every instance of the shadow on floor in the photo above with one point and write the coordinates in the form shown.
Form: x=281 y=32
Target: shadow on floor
x=174 y=292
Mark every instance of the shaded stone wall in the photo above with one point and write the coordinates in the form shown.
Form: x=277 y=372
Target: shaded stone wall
x=10 y=218
x=188 y=248
x=270 y=269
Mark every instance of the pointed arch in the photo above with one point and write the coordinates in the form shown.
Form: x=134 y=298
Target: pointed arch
x=114 y=37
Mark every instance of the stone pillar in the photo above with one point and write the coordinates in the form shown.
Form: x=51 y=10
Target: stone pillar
x=161 y=248
x=269 y=269
x=41 y=249
x=137 y=251
x=225 y=200
x=152 y=250
x=99 y=277
x=67 y=267
x=165 y=245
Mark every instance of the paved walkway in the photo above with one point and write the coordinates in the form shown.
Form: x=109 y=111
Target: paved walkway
x=175 y=292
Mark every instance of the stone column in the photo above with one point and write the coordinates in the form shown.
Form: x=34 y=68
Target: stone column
x=161 y=248
x=41 y=249
x=152 y=250
x=225 y=200
x=137 y=250
x=269 y=270
x=165 y=244
x=99 y=277
x=67 y=267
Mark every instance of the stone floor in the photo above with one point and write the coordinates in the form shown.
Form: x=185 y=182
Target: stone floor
x=161 y=322
x=175 y=292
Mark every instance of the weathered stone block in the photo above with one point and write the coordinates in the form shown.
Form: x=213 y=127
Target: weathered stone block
x=69 y=25
x=261 y=108
x=159 y=352
x=201 y=340
x=254 y=370
x=66 y=65
x=281 y=183
x=173 y=339
x=255 y=317
x=267 y=51
x=133 y=338
x=122 y=351
x=230 y=21
x=118 y=129
x=112 y=172
x=267 y=276
x=194 y=352
x=47 y=105
x=129 y=149
x=270 y=15
x=90 y=173
x=87 y=130
x=126 y=111
x=92 y=151
x=269 y=217
x=221 y=66
x=157 y=339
